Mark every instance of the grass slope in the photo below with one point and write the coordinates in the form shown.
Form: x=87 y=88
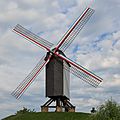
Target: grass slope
x=50 y=116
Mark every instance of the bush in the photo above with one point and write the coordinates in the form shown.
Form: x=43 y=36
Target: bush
x=108 y=111
x=24 y=110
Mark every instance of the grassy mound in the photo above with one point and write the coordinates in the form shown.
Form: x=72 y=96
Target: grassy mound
x=49 y=116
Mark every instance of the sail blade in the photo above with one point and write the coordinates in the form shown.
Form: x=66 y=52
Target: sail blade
x=29 y=79
x=70 y=35
x=82 y=72
x=83 y=76
x=32 y=37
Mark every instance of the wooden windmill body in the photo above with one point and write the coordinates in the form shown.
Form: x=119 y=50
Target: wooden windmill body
x=57 y=78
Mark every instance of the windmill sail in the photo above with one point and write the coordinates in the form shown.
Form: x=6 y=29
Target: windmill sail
x=32 y=37
x=83 y=76
x=29 y=79
x=74 y=30
x=81 y=72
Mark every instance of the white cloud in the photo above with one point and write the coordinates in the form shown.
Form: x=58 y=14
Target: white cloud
x=31 y=2
x=12 y=5
x=18 y=15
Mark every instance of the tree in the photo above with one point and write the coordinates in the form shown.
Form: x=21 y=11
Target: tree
x=108 y=111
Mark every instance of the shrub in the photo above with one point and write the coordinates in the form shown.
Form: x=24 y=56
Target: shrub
x=108 y=111
x=24 y=110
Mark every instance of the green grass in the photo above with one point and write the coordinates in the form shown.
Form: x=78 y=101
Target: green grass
x=50 y=116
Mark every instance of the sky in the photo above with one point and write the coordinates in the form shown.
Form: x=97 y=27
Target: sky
x=97 y=48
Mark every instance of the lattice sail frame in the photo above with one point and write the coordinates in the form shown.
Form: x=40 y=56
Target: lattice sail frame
x=81 y=72
x=64 y=43
x=29 y=79
x=74 y=30
x=32 y=37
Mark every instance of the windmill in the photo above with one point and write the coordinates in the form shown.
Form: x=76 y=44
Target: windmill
x=58 y=66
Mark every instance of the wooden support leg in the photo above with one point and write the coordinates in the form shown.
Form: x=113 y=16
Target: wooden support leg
x=62 y=104
x=58 y=106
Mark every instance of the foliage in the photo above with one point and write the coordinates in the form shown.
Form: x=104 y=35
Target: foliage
x=24 y=110
x=108 y=111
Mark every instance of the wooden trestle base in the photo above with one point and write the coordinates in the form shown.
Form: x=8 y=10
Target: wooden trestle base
x=62 y=105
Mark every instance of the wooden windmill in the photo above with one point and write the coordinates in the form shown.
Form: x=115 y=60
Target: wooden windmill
x=58 y=66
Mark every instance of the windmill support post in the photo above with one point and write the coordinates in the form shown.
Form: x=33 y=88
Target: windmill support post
x=62 y=105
